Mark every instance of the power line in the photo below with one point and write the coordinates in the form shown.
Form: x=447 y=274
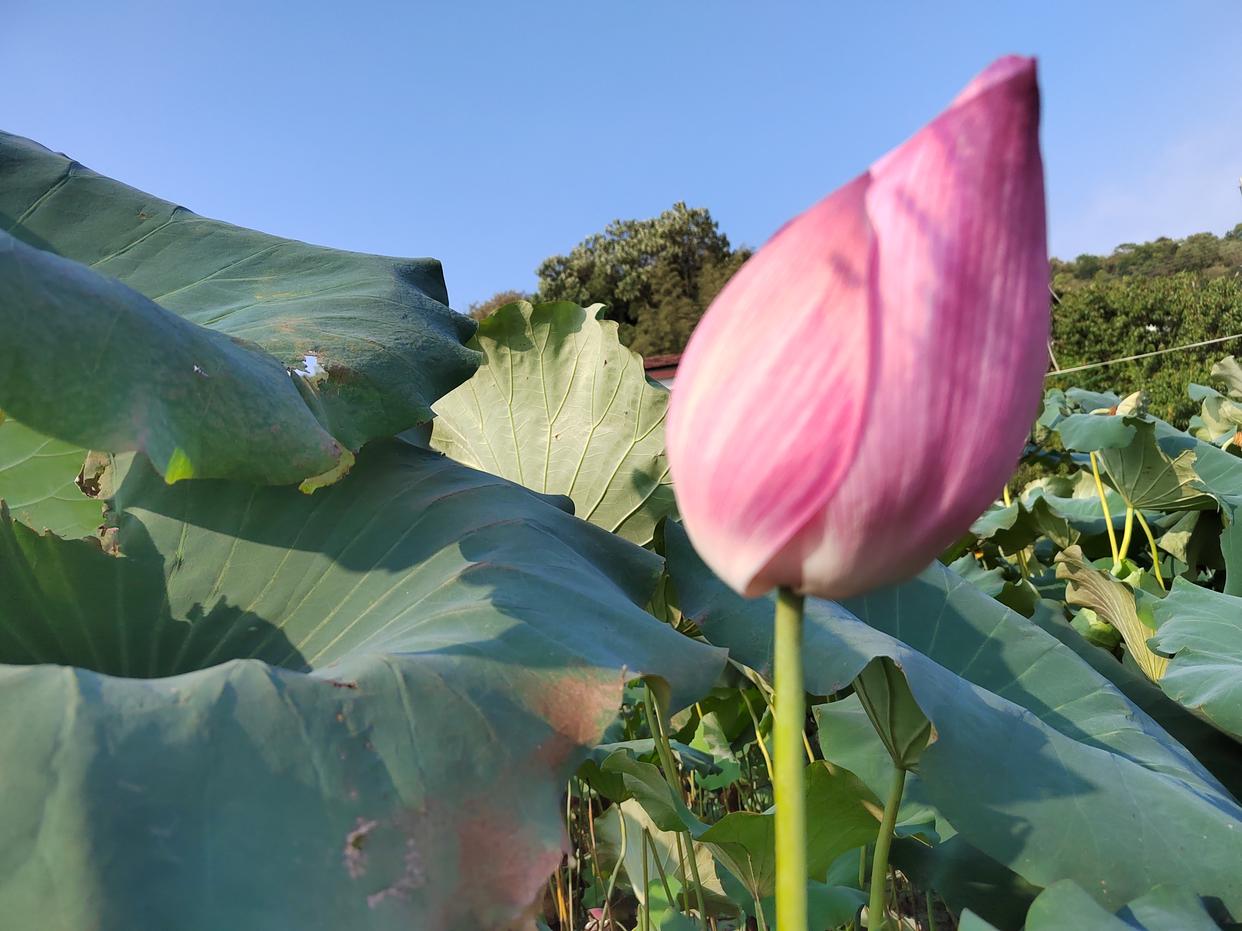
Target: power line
x=1142 y=355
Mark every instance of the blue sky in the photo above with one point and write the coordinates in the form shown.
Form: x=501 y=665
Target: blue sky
x=491 y=135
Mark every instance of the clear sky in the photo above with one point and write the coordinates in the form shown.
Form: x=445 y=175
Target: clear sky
x=492 y=135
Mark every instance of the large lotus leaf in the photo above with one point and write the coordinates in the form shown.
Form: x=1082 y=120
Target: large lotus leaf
x=1019 y=595
x=1216 y=751
x=1094 y=432
x=1065 y=905
x=371 y=700
x=1066 y=777
x=1151 y=463
x=965 y=878
x=1219 y=418
x=372 y=336
x=1220 y=474
x=1063 y=509
x=1229 y=373
x=1081 y=399
x=1059 y=405
x=1022 y=523
x=1202 y=630
x=38 y=481
x=849 y=739
x=94 y=363
x=1076 y=500
x=563 y=408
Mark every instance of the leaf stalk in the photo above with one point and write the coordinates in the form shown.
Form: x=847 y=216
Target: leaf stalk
x=789 y=788
x=1108 y=517
x=879 y=865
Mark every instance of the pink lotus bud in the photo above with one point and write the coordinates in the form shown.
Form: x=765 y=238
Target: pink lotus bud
x=862 y=388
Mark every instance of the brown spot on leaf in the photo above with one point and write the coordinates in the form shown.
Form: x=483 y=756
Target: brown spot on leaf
x=499 y=853
x=578 y=709
x=355 y=847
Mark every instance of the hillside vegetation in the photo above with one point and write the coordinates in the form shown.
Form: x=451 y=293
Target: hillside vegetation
x=657 y=276
x=1143 y=298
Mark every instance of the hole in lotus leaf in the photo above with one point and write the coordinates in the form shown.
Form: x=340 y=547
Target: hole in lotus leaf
x=310 y=366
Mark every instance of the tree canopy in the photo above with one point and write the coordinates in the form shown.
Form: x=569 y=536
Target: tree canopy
x=485 y=308
x=656 y=276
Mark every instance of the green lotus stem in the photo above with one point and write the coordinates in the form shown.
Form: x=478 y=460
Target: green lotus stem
x=665 y=752
x=763 y=748
x=879 y=866
x=788 y=788
x=683 y=841
x=931 y=912
x=655 y=855
x=612 y=880
x=1108 y=517
x=569 y=863
x=1125 y=537
x=646 y=906
x=1023 y=568
x=761 y=922
x=1155 y=553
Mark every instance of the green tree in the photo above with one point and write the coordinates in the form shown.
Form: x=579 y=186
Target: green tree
x=480 y=309
x=657 y=276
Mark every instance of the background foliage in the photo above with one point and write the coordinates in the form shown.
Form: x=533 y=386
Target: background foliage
x=657 y=276
x=1146 y=297
x=483 y=681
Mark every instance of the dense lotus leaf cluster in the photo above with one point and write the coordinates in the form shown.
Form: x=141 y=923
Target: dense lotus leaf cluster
x=402 y=699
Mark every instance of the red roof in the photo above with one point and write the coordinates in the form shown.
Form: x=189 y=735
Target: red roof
x=659 y=367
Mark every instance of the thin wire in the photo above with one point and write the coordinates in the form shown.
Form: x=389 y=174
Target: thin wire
x=1141 y=355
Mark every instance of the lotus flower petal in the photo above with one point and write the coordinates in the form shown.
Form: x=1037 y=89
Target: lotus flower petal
x=771 y=394
x=861 y=389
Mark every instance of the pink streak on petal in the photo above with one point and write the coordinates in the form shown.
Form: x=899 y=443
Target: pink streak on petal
x=958 y=216
x=772 y=391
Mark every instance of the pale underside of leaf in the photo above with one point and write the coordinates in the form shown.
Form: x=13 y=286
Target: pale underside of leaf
x=563 y=408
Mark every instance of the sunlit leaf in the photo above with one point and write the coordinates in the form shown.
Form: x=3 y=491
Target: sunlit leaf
x=1202 y=630
x=223 y=351
x=38 y=481
x=561 y=407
